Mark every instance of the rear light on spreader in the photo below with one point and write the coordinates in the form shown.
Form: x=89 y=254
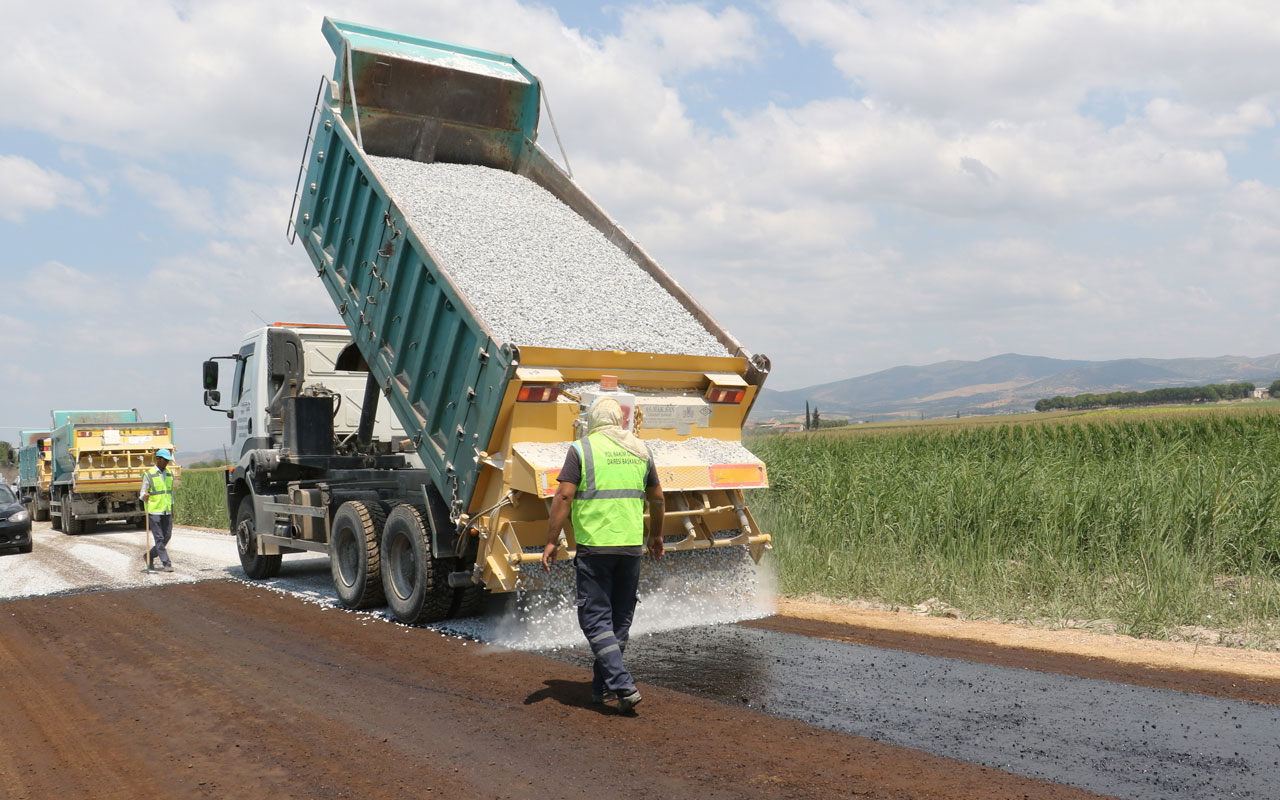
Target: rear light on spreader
x=538 y=394
x=726 y=395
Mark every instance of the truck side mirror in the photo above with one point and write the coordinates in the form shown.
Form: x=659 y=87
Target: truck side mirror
x=212 y=397
x=210 y=377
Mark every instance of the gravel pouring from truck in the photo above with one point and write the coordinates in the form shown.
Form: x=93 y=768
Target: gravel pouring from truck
x=457 y=499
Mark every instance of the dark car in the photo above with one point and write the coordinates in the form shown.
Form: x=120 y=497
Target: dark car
x=15 y=522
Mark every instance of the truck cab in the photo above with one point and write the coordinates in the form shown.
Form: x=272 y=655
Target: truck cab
x=306 y=360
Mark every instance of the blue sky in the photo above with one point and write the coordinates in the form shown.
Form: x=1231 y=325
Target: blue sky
x=849 y=185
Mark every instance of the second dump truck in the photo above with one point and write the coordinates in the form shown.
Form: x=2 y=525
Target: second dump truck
x=446 y=496
x=96 y=463
x=35 y=471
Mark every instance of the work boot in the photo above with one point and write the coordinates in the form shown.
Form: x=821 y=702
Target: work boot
x=628 y=701
x=146 y=560
x=603 y=698
x=167 y=568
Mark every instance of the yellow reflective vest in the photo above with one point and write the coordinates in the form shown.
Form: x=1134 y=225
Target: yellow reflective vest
x=608 y=507
x=160 y=495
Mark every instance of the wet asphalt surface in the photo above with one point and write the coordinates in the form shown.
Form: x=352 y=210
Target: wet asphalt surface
x=1115 y=739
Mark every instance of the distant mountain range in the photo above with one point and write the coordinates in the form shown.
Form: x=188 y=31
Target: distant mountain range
x=187 y=459
x=1003 y=384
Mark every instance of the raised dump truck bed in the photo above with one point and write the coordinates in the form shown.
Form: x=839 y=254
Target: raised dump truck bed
x=406 y=207
x=432 y=353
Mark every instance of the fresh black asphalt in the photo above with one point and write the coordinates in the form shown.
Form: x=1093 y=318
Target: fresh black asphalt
x=1111 y=738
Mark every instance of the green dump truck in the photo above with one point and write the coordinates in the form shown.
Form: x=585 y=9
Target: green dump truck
x=451 y=500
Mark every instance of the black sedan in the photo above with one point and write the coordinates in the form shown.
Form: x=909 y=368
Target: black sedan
x=15 y=522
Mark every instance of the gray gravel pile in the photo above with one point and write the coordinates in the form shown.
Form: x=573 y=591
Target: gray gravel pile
x=693 y=451
x=535 y=271
x=543 y=453
x=699 y=450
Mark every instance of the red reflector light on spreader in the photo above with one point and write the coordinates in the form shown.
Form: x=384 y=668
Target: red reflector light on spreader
x=537 y=394
x=726 y=395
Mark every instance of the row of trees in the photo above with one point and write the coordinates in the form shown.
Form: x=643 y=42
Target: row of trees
x=1178 y=394
x=812 y=421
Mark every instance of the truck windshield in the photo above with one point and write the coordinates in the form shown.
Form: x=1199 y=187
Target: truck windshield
x=244 y=373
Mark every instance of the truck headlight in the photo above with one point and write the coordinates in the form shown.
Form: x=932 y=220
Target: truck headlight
x=21 y=516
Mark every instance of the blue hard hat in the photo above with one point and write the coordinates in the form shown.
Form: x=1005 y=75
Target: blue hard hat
x=165 y=454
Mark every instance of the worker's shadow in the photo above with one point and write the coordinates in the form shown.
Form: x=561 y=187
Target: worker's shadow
x=576 y=694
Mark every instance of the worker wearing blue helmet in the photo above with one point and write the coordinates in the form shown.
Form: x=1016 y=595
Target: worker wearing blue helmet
x=157 y=496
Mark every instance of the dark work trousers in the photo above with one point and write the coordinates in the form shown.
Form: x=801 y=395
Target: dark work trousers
x=606 y=603
x=162 y=532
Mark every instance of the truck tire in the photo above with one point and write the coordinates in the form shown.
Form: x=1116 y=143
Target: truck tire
x=70 y=524
x=55 y=520
x=471 y=601
x=256 y=565
x=415 y=584
x=37 y=513
x=354 y=557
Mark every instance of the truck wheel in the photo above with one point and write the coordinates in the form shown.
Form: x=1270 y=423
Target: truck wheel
x=56 y=520
x=256 y=565
x=354 y=558
x=416 y=585
x=471 y=601
x=70 y=524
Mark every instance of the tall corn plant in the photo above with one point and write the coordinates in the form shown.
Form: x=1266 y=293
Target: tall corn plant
x=1135 y=520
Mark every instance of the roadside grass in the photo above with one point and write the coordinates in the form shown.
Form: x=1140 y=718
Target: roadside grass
x=200 y=499
x=1157 y=525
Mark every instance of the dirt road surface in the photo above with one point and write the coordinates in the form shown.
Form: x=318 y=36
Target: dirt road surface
x=219 y=689
x=158 y=686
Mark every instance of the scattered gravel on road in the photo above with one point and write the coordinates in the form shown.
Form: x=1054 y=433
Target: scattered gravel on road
x=537 y=273
x=111 y=558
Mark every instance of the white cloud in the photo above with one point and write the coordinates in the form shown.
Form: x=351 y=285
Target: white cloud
x=1179 y=120
x=30 y=187
x=677 y=37
x=1041 y=59
x=190 y=208
x=963 y=198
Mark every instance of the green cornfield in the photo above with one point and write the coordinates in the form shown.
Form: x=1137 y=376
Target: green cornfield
x=1146 y=526
x=200 y=499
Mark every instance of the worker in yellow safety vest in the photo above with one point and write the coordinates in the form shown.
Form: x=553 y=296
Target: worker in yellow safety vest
x=157 y=497
x=607 y=477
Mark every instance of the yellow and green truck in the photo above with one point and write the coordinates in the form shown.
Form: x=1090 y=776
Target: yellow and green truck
x=97 y=461
x=445 y=497
x=35 y=470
